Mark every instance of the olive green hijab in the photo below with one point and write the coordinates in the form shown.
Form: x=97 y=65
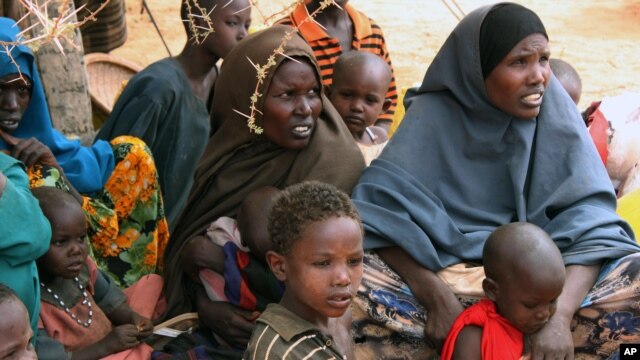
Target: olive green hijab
x=237 y=161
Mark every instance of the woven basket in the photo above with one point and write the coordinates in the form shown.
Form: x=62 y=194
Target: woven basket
x=108 y=31
x=107 y=75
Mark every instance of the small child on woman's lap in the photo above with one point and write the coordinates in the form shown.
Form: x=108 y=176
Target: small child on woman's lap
x=316 y=236
x=245 y=242
x=83 y=315
x=524 y=277
x=253 y=219
x=358 y=92
x=16 y=339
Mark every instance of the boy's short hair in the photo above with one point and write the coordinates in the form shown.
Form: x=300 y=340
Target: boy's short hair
x=519 y=245
x=7 y=293
x=300 y=205
x=562 y=69
x=568 y=77
x=359 y=58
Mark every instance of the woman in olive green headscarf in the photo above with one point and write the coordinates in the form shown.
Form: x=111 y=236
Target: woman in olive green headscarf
x=304 y=139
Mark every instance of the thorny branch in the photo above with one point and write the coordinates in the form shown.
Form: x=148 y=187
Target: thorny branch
x=45 y=29
x=198 y=14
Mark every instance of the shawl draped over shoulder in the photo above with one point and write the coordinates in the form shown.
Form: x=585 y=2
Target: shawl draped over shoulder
x=88 y=168
x=237 y=161
x=458 y=167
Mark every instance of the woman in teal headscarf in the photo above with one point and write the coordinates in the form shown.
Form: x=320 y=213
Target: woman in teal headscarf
x=491 y=138
x=117 y=180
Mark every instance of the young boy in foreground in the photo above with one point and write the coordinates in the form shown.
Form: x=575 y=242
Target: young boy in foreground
x=317 y=252
x=524 y=276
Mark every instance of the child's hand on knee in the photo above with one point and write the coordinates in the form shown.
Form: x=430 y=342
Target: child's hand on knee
x=122 y=337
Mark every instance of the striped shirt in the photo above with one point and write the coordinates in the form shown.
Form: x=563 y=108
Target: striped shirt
x=281 y=334
x=367 y=36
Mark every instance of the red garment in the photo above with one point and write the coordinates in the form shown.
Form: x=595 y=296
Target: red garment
x=599 y=130
x=500 y=339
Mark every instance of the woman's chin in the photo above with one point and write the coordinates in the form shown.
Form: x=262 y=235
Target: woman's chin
x=9 y=126
x=300 y=144
x=297 y=141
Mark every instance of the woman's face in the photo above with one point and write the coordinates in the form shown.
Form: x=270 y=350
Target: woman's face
x=15 y=95
x=517 y=84
x=292 y=105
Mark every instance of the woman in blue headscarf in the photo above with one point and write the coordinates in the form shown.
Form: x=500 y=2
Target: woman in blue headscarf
x=117 y=181
x=491 y=138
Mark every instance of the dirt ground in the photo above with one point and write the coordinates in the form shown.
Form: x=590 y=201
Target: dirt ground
x=600 y=38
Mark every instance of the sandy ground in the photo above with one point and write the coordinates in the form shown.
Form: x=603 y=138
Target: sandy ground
x=600 y=38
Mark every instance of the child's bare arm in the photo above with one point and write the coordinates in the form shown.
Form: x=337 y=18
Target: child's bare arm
x=200 y=253
x=120 y=338
x=468 y=344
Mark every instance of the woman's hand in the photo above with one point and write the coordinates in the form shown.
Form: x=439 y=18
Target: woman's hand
x=553 y=341
x=198 y=253
x=230 y=322
x=442 y=311
x=439 y=301
x=30 y=151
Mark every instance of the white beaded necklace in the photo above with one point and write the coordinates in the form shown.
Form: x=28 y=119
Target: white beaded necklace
x=85 y=300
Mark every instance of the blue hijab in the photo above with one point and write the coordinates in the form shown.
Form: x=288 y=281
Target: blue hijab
x=458 y=167
x=88 y=168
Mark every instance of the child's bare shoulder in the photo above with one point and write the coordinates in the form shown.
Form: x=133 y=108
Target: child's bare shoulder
x=380 y=133
x=468 y=344
x=372 y=135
